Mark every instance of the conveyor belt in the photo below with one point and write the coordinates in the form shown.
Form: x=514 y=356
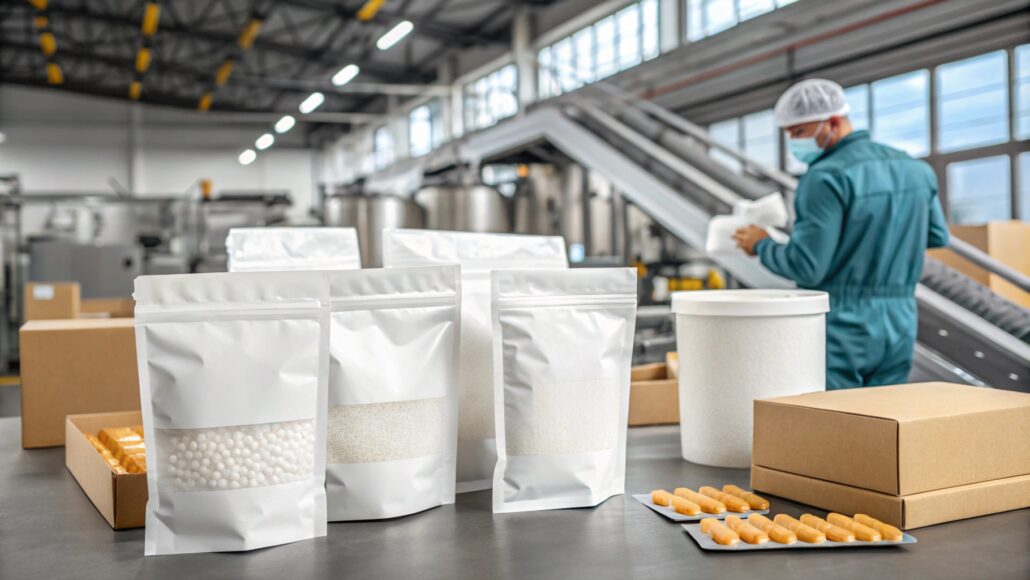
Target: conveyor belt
x=967 y=334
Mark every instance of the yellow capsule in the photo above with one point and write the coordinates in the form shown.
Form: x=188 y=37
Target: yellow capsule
x=707 y=504
x=862 y=533
x=804 y=532
x=776 y=532
x=756 y=502
x=888 y=531
x=719 y=532
x=750 y=534
x=732 y=503
x=832 y=532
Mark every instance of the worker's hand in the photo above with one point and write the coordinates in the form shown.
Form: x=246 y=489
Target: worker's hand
x=747 y=238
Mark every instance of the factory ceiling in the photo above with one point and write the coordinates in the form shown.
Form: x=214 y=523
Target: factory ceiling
x=241 y=55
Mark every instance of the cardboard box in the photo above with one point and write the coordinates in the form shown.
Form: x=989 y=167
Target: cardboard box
x=653 y=396
x=911 y=455
x=74 y=366
x=907 y=511
x=108 y=308
x=1005 y=241
x=52 y=300
x=120 y=498
x=898 y=440
x=672 y=360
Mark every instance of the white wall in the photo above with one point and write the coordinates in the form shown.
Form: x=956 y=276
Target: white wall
x=62 y=141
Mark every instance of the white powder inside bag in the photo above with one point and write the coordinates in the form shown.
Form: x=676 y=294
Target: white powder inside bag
x=236 y=457
x=386 y=431
x=568 y=417
x=476 y=400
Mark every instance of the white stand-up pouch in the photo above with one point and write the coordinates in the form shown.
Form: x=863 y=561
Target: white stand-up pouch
x=282 y=249
x=233 y=384
x=562 y=349
x=478 y=255
x=393 y=391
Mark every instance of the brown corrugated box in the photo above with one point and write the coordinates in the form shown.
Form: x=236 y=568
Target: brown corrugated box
x=911 y=443
x=653 y=396
x=1005 y=241
x=52 y=300
x=906 y=512
x=108 y=307
x=120 y=498
x=74 y=366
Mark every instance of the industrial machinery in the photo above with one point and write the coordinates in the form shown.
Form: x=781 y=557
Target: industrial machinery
x=104 y=240
x=369 y=214
x=659 y=162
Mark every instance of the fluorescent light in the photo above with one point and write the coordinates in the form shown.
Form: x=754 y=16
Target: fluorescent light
x=394 y=35
x=247 y=157
x=285 y=124
x=3 y=137
x=311 y=103
x=346 y=74
x=265 y=141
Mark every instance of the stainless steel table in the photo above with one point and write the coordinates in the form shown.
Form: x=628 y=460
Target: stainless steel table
x=49 y=529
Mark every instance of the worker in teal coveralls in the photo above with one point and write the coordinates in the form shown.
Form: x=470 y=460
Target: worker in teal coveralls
x=865 y=214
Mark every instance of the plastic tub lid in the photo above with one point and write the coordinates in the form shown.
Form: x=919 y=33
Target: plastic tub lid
x=750 y=302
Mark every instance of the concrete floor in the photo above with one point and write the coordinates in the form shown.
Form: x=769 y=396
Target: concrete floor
x=10 y=401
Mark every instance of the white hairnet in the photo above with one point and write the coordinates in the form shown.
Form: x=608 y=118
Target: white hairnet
x=811 y=100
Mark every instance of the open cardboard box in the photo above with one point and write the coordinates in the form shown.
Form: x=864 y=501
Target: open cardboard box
x=107 y=308
x=120 y=498
x=912 y=455
x=653 y=396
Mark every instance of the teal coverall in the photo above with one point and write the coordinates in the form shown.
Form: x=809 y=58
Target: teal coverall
x=865 y=215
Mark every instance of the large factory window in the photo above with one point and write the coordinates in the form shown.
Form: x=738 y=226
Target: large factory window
x=755 y=135
x=979 y=190
x=613 y=44
x=901 y=112
x=708 y=17
x=491 y=98
x=858 y=98
x=423 y=129
x=972 y=102
x=382 y=147
x=1023 y=203
x=728 y=133
x=1022 y=90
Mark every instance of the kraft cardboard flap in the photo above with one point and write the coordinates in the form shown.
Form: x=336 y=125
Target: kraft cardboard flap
x=77 y=324
x=915 y=402
x=651 y=372
x=815 y=442
x=906 y=512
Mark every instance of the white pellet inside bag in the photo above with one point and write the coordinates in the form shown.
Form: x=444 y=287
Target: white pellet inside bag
x=234 y=386
x=479 y=255
x=292 y=248
x=393 y=391
x=562 y=350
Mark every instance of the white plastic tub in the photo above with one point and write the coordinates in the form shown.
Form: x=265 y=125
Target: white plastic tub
x=736 y=346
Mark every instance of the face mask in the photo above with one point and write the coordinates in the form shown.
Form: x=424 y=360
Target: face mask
x=806 y=149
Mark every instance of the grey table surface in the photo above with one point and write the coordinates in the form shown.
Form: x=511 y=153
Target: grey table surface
x=50 y=529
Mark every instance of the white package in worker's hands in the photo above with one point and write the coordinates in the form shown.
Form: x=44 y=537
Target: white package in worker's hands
x=393 y=391
x=768 y=211
x=478 y=255
x=298 y=248
x=233 y=374
x=720 y=234
x=562 y=349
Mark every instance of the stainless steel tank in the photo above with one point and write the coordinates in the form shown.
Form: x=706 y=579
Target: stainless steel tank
x=385 y=211
x=470 y=208
x=369 y=215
